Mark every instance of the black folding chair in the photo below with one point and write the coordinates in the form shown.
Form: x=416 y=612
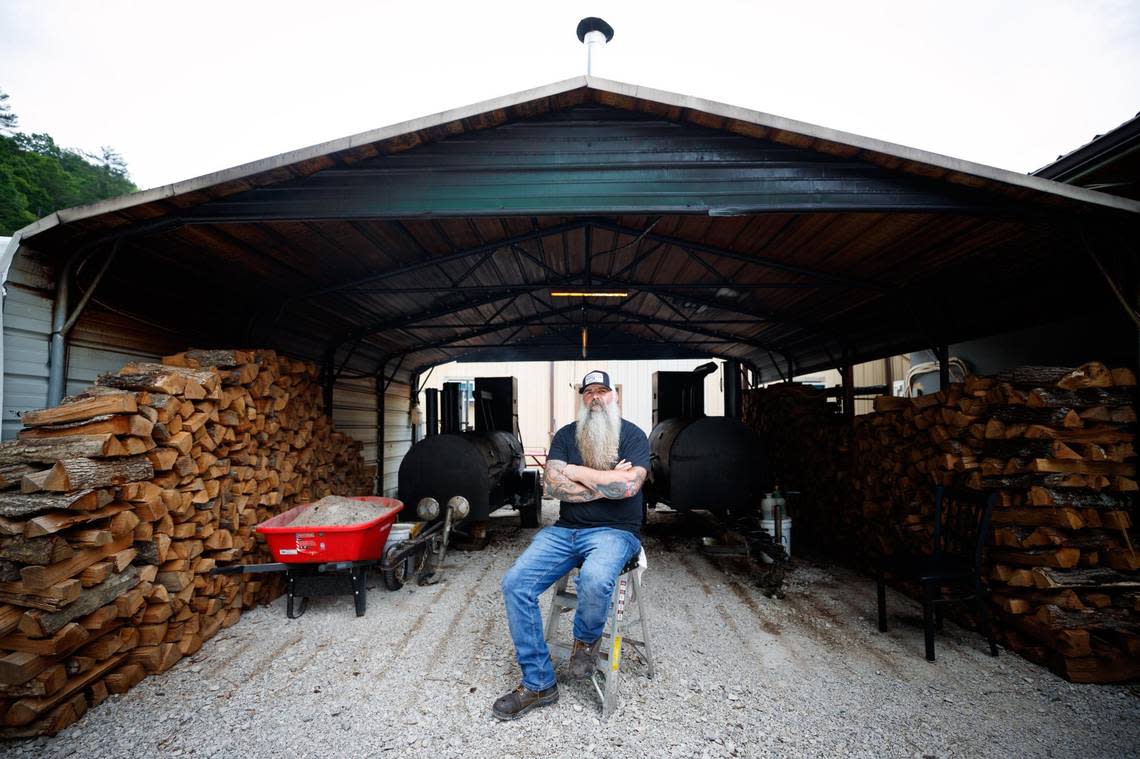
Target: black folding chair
x=953 y=571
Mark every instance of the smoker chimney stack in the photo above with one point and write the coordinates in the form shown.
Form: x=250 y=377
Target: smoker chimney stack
x=595 y=33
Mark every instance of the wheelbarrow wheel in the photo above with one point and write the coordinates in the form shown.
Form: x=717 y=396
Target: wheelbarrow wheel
x=395 y=577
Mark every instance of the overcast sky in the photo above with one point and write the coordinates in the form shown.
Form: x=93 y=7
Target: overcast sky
x=182 y=89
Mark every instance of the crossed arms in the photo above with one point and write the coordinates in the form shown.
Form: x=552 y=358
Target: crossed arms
x=576 y=483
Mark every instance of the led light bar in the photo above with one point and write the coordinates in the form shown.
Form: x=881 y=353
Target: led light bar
x=580 y=294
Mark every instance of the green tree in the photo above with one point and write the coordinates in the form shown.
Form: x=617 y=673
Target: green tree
x=7 y=118
x=37 y=176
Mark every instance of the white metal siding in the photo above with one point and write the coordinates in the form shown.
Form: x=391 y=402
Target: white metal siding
x=354 y=413
x=397 y=433
x=100 y=342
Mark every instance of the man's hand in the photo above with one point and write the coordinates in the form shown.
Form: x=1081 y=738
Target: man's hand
x=557 y=484
x=623 y=481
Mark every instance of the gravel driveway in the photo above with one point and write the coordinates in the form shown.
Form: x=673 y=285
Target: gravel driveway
x=739 y=674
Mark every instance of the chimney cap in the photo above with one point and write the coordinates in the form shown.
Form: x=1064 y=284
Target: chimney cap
x=594 y=24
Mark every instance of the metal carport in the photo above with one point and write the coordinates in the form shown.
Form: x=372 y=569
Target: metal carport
x=785 y=246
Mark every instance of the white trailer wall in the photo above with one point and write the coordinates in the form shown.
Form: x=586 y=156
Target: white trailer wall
x=548 y=398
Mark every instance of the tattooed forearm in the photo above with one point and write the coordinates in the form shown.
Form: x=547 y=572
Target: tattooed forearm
x=620 y=489
x=557 y=485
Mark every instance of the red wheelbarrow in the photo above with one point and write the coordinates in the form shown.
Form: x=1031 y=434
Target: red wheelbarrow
x=323 y=560
x=331 y=560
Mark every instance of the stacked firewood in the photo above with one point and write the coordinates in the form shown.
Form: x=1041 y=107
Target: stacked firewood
x=900 y=452
x=807 y=445
x=1057 y=446
x=117 y=503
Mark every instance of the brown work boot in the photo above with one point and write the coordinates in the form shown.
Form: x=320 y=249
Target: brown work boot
x=583 y=658
x=521 y=700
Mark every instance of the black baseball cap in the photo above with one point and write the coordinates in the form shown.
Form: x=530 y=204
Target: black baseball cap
x=595 y=377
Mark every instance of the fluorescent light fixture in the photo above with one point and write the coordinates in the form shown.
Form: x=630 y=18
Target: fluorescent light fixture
x=581 y=294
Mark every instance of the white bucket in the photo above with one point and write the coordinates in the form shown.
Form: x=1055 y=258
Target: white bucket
x=785 y=531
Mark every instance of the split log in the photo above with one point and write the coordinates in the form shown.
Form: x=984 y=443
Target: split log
x=136 y=424
x=1023 y=448
x=196 y=359
x=11 y=475
x=45 y=683
x=1104 y=435
x=39 y=623
x=1060 y=417
x=1107 y=666
x=1092 y=374
x=72 y=474
x=47 y=524
x=50 y=449
x=18 y=667
x=9 y=618
x=1082 y=578
x=161 y=378
x=1062 y=517
x=49 y=599
x=26 y=710
x=81 y=410
x=41 y=577
x=34 y=481
x=1063 y=558
x=65 y=640
x=1082 y=467
x=62 y=716
x=1041 y=496
x=42 y=550
x=1123 y=560
x=1111 y=397
x=18 y=506
x=1068 y=642
x=1088 y=619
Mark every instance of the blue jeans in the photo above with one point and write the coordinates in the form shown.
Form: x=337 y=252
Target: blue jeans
x=602 y=552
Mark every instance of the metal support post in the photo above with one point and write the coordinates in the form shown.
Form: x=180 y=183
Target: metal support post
x=378 y=489
x=943 y=354
x=847 y=376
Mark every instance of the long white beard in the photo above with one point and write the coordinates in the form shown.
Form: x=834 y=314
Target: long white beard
x=598 y=435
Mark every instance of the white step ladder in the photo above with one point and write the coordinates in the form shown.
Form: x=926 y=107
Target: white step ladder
x=627 y=592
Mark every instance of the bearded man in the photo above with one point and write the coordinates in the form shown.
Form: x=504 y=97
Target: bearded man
x=595 y=467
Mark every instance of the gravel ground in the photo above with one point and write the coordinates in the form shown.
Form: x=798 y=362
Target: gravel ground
x=738 y=674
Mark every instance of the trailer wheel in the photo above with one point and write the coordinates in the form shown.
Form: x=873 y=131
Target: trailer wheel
x=395 y=578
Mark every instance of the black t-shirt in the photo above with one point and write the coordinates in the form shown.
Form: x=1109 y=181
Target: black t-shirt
x=624 y=513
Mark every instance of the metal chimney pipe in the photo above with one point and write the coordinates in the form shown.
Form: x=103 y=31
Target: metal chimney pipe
x=450 y=411
x=732 y=389
x=432 y=399
x=594 y=33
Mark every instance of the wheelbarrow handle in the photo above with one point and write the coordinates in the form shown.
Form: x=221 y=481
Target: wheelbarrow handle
x=249 y=569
